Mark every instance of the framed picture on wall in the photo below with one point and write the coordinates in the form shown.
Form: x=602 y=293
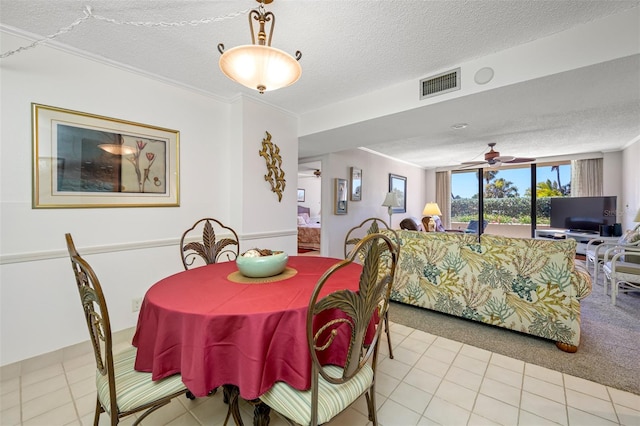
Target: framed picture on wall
x=356 y=184
x=398 y=184
x=84 y=160
x=340 y=200
x=300 y=195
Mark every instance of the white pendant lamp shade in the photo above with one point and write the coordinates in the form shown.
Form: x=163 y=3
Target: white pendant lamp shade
x=259 y=66
x=262 y=68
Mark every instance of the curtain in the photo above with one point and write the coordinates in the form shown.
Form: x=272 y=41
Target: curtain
x=586 y=178
x=443 y=196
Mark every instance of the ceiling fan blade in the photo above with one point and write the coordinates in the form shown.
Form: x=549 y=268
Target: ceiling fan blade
x=472 y=164
x=504 y=158
x=521 y=160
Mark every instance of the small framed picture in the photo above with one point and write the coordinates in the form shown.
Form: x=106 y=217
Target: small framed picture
x=398 y=184
x=300 y=195
x=356 y=184
x=340 y=202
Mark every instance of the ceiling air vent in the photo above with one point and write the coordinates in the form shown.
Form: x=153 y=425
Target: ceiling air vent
x=439 y=84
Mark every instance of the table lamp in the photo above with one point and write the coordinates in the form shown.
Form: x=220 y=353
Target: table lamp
x=391 y=201
x=430 y=210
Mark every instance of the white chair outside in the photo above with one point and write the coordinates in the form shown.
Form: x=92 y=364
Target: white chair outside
x=623 y=271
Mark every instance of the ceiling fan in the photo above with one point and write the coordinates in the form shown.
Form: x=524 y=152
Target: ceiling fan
x=494 y=159
x=316 y=172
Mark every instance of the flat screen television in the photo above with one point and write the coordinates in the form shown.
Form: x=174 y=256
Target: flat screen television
x=583 y=214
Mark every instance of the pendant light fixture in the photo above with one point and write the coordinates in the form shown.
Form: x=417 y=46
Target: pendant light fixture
x=260 y=66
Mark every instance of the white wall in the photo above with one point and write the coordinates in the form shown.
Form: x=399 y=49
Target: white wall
x=375 y=185
x=39 y=309
x=266 y=220
x=630 y=185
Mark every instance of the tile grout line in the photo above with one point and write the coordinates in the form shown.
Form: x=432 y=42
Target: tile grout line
x=484 y=375
x=73 y=399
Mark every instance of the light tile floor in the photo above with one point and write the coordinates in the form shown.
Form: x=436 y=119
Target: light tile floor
x=431 y=380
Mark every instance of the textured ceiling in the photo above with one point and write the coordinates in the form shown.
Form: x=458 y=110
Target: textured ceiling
x=354 y=47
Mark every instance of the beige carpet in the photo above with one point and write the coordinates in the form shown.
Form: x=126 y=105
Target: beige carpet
x=609 y=351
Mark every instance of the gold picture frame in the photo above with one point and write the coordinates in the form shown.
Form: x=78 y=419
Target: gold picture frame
x=83 y=160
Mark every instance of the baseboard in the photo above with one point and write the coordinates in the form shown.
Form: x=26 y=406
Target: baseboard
x=16 y=369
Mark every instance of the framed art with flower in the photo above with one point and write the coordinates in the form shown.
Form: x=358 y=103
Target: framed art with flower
x=85 y=160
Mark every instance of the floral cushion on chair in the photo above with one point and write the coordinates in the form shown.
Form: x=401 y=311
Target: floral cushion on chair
x=630 y=237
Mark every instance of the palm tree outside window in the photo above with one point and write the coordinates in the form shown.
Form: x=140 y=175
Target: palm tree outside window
x=506 y=197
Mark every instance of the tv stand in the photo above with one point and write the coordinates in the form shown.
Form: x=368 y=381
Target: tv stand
x=581 y=237
x=579 y=231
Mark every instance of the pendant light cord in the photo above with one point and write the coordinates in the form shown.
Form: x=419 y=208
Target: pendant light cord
x=88 y=14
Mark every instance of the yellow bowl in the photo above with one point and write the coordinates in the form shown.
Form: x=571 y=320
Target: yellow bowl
x=263 y=266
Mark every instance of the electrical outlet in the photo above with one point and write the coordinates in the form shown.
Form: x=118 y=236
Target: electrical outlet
x=135 y=304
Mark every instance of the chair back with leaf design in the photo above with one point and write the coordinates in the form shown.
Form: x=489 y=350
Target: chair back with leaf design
x=121 y=390
x=207 y=249
x=96 y=315
x=355 y=234
x=348 y=314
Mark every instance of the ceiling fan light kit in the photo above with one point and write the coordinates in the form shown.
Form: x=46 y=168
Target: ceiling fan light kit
x=260 y=66
x=494 y=159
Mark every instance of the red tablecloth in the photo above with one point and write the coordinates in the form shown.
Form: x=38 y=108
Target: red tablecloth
x=215 y=332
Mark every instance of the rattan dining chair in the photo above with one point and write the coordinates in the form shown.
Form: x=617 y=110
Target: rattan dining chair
x=335 y=388
x=353 y=236
x=121 y=390
x=206 y=250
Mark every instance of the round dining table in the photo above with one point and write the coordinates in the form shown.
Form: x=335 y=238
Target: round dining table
x=216 y=327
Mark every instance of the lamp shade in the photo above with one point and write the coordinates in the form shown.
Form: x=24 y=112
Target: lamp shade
x=431 y=209
x=391 y=200
x=262 y=68
x=637 y=219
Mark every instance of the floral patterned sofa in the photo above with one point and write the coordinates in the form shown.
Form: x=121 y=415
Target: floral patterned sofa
x=531 y=286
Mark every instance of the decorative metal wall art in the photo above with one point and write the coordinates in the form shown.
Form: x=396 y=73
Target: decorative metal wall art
x=275 y=174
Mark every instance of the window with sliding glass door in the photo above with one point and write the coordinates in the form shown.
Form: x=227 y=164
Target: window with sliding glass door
x=503 y=198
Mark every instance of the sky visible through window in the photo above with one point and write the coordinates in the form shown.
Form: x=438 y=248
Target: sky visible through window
x=465 y=185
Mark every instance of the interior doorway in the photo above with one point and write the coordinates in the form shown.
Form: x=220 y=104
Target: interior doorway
x=309 y=208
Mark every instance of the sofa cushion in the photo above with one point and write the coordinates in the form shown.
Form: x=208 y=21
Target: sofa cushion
x=526 y=285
